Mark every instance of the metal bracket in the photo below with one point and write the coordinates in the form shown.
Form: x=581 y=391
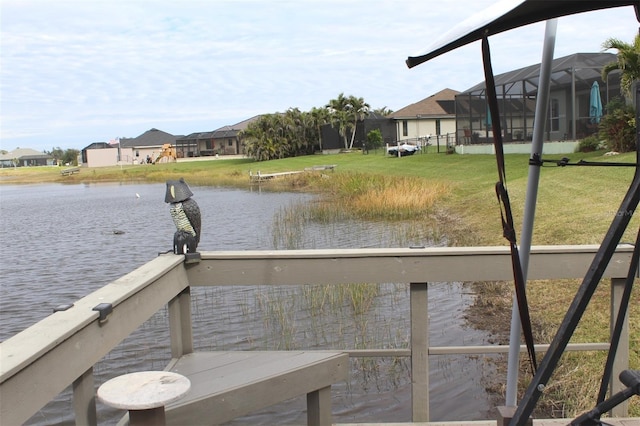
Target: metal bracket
x=104 y=309
x=192 y=257
x=63 y=307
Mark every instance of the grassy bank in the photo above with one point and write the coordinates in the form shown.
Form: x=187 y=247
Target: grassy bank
x=455 y=193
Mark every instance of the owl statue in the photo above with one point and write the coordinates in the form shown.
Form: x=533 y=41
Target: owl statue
x=186 y=216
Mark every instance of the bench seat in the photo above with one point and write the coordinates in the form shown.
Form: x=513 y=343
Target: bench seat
x=226 y=385
x=67 y=172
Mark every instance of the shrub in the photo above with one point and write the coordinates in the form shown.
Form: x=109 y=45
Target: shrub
x=374 y=139
x=589 y=144
x=618 y=127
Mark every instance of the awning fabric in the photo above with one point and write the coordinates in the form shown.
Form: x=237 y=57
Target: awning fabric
x=509 y=14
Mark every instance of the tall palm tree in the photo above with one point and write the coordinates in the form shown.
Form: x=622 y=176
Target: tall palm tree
x=319 y=117
x=298 y=129
x=628 y=61
x=306 y=128
x=338 y=111
x=358 y=110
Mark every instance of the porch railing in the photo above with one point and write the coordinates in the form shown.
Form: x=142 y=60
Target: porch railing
x=35 y=364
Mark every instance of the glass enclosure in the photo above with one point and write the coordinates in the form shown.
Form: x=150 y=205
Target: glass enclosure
x=568 y=112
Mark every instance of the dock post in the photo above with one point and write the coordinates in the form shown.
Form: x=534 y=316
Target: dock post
x=419 y=352
x=621 y=361
x=180 y=327
x=84 y=400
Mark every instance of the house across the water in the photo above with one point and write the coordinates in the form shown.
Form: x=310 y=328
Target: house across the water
x=568 y=117
x=23 y=157
x=223 y=141
x=447 y=117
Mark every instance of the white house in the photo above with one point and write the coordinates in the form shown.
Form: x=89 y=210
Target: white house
x=434 y=116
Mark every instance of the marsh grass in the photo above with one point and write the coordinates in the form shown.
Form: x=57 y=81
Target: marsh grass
x=342 y=316
x=384 y=197
x=574 y=385
x=409 y=208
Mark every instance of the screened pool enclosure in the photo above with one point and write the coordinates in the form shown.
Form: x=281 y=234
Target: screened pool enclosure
x=569 y=116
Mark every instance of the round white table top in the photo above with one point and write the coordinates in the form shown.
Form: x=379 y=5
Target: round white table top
x=143 y=390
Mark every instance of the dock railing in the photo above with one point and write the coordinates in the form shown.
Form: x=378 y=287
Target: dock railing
x=62 y=349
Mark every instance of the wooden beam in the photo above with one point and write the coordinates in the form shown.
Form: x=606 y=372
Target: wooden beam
x=287 y=267
x=35 y=364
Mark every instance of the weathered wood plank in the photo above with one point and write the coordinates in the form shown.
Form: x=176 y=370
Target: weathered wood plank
x=317 y=403
x=420 y=352
x=226 y=385
x=34 y=364
x=431 y=264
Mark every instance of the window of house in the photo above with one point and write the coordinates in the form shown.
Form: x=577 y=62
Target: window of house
x=437 y=126
x=230 y=142
x=405 y=128
x=554 y=115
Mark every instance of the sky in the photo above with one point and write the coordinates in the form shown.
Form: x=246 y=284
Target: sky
x=74 y=72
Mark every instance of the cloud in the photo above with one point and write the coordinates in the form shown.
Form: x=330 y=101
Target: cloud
x=75 y=72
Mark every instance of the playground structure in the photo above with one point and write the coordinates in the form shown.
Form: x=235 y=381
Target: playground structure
x=167 y=154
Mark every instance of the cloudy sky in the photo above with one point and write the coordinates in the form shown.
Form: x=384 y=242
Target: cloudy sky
x=73 y=72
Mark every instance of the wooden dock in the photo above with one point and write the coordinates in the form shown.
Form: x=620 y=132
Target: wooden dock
x=70 y=171
x=261 y=177
x=226 y=385
x=28 y=358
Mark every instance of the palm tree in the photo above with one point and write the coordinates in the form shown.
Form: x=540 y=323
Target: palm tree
x=262 y=139
x=297 y=131
x=358 y=110
x=338 y=112
x=306 y=128
x=628 y=61
x=319 y=117
x=384 y=111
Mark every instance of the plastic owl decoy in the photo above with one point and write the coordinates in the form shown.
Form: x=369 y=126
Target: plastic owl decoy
x=186 y=216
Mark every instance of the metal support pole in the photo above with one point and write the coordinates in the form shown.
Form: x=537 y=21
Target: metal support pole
x=585 y=292
x=542 y=103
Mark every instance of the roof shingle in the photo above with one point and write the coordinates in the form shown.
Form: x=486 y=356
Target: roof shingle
x=440 y=104
x=152 y=137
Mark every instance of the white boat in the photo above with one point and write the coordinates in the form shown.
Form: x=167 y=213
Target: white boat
x=405 y=149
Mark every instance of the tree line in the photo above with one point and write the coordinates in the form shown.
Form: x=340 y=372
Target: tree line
x=294 y=132
x=66 y=156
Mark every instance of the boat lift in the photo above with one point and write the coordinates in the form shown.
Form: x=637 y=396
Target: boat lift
x=504 y=16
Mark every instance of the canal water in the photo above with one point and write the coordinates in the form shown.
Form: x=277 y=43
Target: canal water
x=64 y=241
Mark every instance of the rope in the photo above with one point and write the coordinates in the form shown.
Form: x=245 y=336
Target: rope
x=508 y=230
x=535 y=160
